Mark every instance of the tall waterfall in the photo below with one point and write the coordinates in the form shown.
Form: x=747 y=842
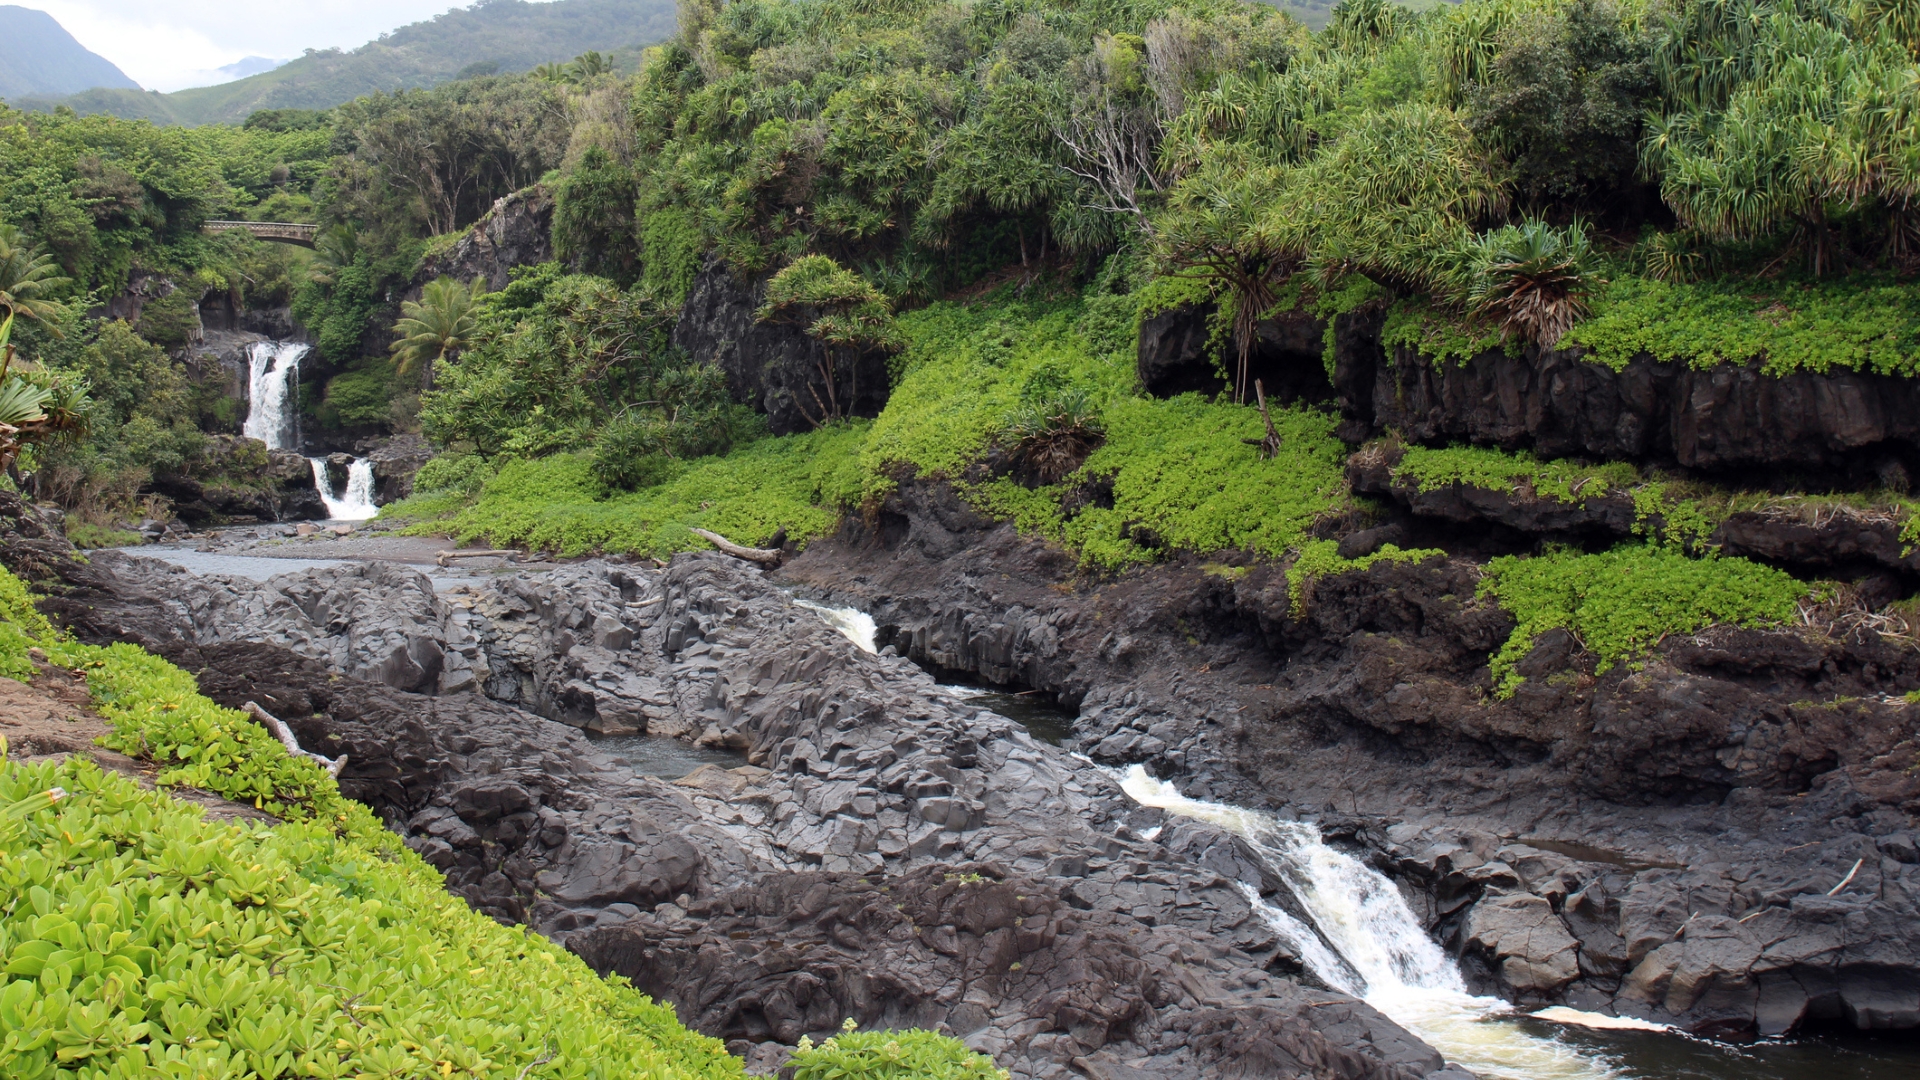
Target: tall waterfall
x=356 y=503
x=273 y=392
x=1379 y=950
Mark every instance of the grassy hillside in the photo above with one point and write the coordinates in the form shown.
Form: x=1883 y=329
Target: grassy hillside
x=503 y=36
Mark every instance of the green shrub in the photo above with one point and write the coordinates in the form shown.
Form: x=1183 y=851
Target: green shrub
x=890 y=1055
x=463 y=473
x=85 y=534
x=1622 y=602
x=1499 y=470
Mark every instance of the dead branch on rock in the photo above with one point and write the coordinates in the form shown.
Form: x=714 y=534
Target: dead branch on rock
x=765 y=556
x=285 y=734
x=445 y=556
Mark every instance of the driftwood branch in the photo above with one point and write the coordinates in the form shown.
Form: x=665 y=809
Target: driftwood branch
x=285 y=734
x=766 y=556
x=1848 y=880
x=446 y=556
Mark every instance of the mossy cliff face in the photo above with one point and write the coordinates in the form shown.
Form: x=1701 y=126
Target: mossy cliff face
x=1558 y=403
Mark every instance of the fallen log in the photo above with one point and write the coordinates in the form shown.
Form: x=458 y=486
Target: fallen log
x=443 y=557
x=285 y=734
x=764 y=556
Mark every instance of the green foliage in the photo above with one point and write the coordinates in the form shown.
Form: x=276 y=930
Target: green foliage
x=1498 y=470
x=28 y=278
x=558 y=503
x=1321 y=559
x=1053 y=432
x=437 y=326
x=1531 y=279
x=841 y=310
x=1860 y=324
x=1622 y=602
x=890 y=1055
x=85 y=534
x=359 y=397
x=593 y=228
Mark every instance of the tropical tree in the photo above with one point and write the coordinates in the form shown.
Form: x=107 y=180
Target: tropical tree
x=27 y=276
x=1220 y=226
x=844 y=312
x=438 y=325
x=1532 y=279
x=37 y=406
x=589 y=64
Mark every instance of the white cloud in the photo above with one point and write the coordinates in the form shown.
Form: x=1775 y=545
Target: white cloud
x=172 y=44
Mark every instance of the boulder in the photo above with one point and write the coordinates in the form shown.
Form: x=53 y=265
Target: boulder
x=1526 y=941
x=516 y=231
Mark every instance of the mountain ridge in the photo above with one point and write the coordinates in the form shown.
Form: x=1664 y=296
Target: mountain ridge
x=509 y=35
x=39 y=57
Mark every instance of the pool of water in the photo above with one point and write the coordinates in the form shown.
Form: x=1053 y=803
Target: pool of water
x=1666 y=1056
x=662 y=756
x=1038 y=712
x=260 y=568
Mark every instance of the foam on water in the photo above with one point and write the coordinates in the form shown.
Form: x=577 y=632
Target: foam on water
x=1364 y=940
x=356 y=504
x=855 y=625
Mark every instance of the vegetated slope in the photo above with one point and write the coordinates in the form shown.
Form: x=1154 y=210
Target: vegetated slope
x=38 y=56
x=503 y=36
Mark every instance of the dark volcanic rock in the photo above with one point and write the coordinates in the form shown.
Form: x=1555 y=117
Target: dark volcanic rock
x=395 y=461
x=1727 y=417
x=1769 y=761
x=242 y=482
x=1174 y=356
x=772 y=366
x=1049 y=931
x=517 y=231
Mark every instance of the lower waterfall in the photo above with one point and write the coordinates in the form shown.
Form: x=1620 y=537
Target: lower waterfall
x=1380 y=952
x=356 y=503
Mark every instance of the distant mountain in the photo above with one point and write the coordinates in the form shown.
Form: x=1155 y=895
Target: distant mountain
x=38 y=57
x=251 y=65
x=492 y=35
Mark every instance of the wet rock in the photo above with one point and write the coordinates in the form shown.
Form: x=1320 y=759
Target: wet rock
x=1531 y=947
x=395 y=460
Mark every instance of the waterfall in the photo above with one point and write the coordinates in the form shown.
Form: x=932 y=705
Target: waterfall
x=1379 y=951
x=357 y=502
x=855 y=625
x=272 y=392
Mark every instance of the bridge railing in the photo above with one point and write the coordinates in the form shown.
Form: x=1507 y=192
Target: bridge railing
x=267 y=230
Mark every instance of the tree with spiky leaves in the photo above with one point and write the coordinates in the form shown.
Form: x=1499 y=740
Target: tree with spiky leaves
x=436 y=327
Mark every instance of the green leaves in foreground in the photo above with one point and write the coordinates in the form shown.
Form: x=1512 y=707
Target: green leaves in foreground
x=1625 y=601
x=889 y=1055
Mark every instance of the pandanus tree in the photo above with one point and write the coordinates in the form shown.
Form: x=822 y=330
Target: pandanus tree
x=27 y=278
x=1532 y=279
x=845 y=313
x=437 y=326
x=1221 y=226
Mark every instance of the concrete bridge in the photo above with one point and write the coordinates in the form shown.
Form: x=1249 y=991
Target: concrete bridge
x=279 y=231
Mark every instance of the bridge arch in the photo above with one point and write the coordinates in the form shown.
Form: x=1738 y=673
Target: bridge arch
x=283 y=232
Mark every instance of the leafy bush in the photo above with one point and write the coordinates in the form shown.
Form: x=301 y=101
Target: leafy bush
x=890 y=1055
x=1055 y=432
x=462 y=473
x=1622 y=602
x=558 y=503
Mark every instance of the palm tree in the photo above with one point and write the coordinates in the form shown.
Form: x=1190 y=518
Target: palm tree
x=27 y=275
x=438 y=325
x=588 y=64
x=1532 y=279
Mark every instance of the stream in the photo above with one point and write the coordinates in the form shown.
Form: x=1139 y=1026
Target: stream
x=1364 y=940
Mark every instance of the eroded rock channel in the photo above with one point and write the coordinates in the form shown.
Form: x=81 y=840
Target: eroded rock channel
x=1662 y=844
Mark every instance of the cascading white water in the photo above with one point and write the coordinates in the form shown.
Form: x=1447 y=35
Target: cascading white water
x=273 y=371
x=1383 y=954
x=855 y=625
x=356 y=504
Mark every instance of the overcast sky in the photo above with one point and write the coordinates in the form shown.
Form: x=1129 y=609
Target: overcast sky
x=172 y=44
